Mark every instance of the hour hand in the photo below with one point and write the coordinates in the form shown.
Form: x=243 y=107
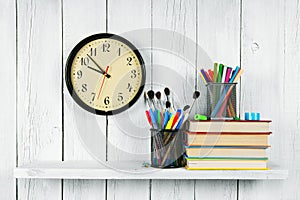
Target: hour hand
x=96 y=70
x=101 y=70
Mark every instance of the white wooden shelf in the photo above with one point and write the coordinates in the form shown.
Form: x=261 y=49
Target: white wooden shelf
x=134 y=170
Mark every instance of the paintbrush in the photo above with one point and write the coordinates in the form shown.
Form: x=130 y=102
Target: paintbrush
x=195 y=96
x=148 y=101
x=158 y=96
x=167 y=93
x=168 y=105
x=187 y=109
x=150 y=94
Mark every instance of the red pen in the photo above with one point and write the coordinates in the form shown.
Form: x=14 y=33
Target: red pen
x=149 y=118
x=176 y=118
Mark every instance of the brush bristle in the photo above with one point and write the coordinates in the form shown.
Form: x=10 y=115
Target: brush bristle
x=186 y=107
x=167 y=91
x=150 y=94
x=158 y=95
x=168 y=104
x=196 y=94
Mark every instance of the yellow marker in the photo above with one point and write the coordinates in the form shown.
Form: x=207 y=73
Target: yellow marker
x=202 y=78
x=170 y=122
x=238 y=75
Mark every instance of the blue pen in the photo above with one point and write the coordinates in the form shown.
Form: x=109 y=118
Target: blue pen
x=166 y=119
x=237 y=69
x=153 y=118
x=180 y=122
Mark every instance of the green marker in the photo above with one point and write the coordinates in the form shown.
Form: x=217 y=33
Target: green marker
x=200 y=117
x=236 y=118
x=158 y=119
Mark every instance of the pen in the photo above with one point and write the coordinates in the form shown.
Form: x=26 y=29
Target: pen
x=152 y=116
x=166 y=118
x=176 y=117
x=169 y=124
x=149 y=118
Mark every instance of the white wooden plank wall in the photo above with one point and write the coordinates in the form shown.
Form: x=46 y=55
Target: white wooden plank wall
x=79 y=21
x=38 y=120
x=175 y=73
x=8 y=102
x=129 y=127
x=39 y=79
x=270 y=56
x=219 y=34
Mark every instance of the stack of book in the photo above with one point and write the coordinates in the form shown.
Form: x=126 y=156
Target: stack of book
x=227 y=144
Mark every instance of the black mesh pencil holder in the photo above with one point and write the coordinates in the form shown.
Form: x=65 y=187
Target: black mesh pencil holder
x=167 y=148
x=221 y=100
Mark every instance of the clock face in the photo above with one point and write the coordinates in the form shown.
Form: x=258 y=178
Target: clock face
x=105 y=74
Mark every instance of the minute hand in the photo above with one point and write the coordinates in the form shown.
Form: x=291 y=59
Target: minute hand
x=102 y=71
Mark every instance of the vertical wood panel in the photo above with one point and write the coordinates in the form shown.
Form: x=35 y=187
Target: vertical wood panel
x=172 y=69
x=39 y=92
x=271 y=86
x=81 y=19
x=216 y=189
x=172 y=189
x=128 y=137
x=8 y=105
x=219 y=35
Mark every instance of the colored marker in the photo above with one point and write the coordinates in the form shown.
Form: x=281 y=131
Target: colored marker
x=200 y=117
x=180 y=122
x=158 y=119
x=215 y=72
x=169 y=124
x=149 y=118
x=211 y=74
x=152 y=116
x=204 y=75
x=166 y=119
x=176 y=117
x=201 y=75
x=176 y=124
x=228 y=72
x=220 y=73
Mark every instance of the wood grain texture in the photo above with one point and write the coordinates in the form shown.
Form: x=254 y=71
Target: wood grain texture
x=39 y=120
x=91 y=169
x=173 y=69
x=221 y=189
x=219 y=35
x=172 y=189
x=8 y=105
x=79 y=21
x=128 y=137
x=270 y=57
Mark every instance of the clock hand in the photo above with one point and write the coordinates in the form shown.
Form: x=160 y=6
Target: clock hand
x=95 y=70
x=102 y=71
x=102 y=82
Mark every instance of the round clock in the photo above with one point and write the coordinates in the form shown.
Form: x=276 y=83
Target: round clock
x=105 y=74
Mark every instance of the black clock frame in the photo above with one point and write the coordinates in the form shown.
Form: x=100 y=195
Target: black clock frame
x=69 y=65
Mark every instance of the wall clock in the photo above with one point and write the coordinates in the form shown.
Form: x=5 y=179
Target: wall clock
x=105 y=74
